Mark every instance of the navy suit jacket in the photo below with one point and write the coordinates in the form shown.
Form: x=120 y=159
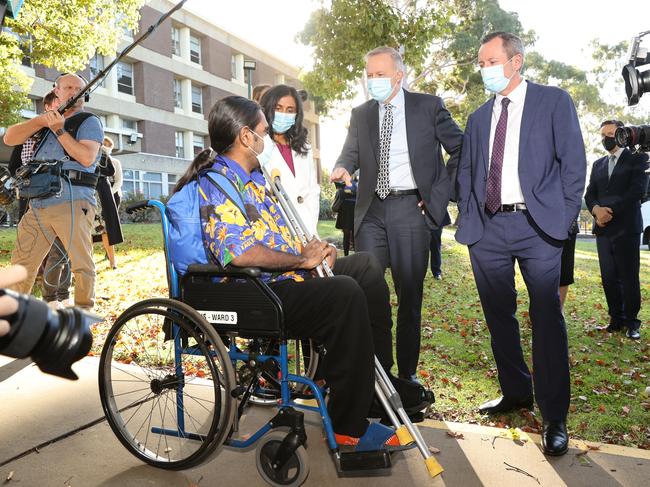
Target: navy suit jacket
x=552 y=164
x=622 y=192
x=428 y=127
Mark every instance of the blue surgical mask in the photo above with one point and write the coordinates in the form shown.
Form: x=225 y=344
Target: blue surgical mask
x=283 y=122
x=494 y=78
x=380 y=89
x=265 y=156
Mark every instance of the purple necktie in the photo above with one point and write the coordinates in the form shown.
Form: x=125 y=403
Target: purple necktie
x=493 y=194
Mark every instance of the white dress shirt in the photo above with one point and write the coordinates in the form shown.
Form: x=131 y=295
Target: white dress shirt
x=510 y=186
x=399 y=164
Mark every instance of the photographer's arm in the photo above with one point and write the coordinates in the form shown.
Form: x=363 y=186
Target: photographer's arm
x=20 y=132
x=82 y=151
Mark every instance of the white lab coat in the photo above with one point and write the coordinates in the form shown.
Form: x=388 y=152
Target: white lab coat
x=303 y=188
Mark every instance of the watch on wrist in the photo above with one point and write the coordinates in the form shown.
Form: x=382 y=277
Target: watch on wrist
x=59 y=132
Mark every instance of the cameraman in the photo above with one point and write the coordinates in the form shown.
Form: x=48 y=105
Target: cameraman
x=70 y=214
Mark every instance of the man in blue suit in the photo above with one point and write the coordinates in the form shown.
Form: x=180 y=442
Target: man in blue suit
x=616 y=186
x=520 y=181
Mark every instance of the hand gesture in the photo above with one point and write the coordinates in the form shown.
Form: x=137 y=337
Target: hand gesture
x=341 y=174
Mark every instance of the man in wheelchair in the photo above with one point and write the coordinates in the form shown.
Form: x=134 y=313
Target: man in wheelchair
x=245 y=228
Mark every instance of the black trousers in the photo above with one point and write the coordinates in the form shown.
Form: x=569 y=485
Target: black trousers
x=350 y=315
x=394 y=231
x=619 y=270
x=436 y=251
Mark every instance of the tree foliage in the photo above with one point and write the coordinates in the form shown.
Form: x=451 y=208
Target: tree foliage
x=59 y=34
x=440 y=54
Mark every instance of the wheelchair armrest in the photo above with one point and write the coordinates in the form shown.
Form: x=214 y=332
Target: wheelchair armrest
x=213 y=270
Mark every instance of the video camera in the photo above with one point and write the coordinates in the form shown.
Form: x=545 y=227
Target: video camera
x=53 y=339
x=636 y=84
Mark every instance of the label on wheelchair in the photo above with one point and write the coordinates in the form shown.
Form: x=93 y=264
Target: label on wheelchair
x=223 y=317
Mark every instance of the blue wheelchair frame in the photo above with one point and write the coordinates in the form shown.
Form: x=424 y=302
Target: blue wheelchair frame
x=286 y=401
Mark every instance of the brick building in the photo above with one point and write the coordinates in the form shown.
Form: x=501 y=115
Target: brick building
x=154 y=103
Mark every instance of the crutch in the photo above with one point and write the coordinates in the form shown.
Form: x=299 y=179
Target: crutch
x=405 y=430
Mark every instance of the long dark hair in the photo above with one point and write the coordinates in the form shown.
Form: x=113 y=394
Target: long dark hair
x=296 y=135
x=226 y=119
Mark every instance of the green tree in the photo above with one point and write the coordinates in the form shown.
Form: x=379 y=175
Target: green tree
x=61 y=35
x=441 y=57
x=342 y=34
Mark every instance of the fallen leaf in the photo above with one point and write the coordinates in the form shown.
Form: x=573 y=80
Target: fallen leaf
x=593 y=447
x=582 y=452
x=455 y=434
x=433 y=449
x=601 y=408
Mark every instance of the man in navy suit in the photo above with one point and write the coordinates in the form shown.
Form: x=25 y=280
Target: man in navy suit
x=616 y=186
x=520 y=181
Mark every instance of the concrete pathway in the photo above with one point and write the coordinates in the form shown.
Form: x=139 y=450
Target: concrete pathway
x=36 y=409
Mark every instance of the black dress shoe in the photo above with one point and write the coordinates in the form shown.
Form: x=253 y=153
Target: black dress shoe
x=611 y=328
x=633 y=334
x=505 y=404
x=555 y=439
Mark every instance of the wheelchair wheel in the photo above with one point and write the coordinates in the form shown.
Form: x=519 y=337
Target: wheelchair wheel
x=294 y=472
x=304 y=362
x=165 y=380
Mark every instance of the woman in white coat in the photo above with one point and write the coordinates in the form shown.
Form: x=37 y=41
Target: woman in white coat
x=292 y=155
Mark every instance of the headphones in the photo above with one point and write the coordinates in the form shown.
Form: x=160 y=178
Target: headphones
x=86 y=96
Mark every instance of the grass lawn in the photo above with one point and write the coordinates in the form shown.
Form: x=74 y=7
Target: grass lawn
x=609 y=373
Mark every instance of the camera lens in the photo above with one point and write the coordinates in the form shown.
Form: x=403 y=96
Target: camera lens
x=53 y=339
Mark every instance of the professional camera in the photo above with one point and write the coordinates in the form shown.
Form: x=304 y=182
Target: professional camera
x=633 y=136
x=53 y=339
x=7 y=189
x=636 y=83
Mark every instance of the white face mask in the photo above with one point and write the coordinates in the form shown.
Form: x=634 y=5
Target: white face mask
x=265 y=156
x=108 y=150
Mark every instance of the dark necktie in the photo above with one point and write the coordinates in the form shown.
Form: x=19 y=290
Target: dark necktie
x=383 y=178
x=493 y=194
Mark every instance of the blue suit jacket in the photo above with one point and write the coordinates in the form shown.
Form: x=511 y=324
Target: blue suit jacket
x=622 y=192
x=552 y=164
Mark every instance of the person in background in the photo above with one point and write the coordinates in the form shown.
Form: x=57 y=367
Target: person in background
x=566 y=267
x=616 y=185
x=292 y=156
x=109 y=228
x=259 y=91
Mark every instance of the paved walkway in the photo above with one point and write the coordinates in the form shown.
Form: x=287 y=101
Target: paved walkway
x=35 y=409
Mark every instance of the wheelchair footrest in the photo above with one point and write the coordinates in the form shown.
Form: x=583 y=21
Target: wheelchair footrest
x=366 y=460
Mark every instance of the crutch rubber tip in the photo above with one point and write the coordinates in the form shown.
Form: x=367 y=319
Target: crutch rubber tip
x=433 y=466
x=404 y=436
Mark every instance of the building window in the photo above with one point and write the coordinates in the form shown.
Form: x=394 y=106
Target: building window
x=125 y=78
x=128 y=124
x=176 y=41
x=247 y=74
x=198 y=144
x=197 y=99
x=171 y=182
x=180 y=148
x=233 y=66
x=96 y=65
x=152 y=184
x=131 y=181
x=178 y=94
x=195 y=49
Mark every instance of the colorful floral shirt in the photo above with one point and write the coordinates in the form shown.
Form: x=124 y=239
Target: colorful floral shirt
x=229 y=233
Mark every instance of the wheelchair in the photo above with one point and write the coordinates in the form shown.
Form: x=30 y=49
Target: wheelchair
x=171 y=392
